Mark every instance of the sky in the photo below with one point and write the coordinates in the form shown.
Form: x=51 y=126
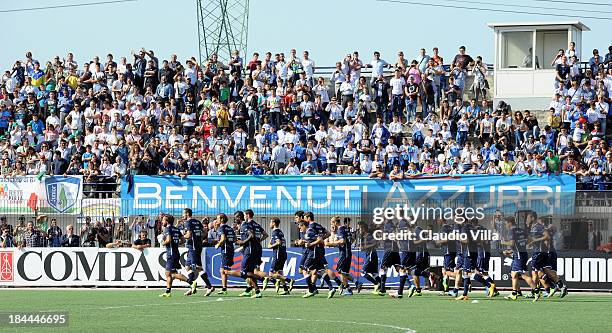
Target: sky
x=329 y=29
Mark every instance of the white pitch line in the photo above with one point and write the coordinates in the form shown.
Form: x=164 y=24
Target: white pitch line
x=165 y=304
x=404 y=329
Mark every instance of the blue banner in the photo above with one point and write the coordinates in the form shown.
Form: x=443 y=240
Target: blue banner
x=283 y=195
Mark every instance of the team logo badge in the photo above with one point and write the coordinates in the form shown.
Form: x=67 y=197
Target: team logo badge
x=62 y=192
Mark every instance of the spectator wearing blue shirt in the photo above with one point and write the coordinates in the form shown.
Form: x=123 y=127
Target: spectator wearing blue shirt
x=542 y=146
x=271 y=135
x=551 y=136
x=87 y=156
x=300 y=152
x=309 y=162
x=256 y=169
x=36 y=74
x=595 y=58
x=473 y=111
x=38 y=126
x=164 y=90
x=574 y=115
x=5 y=115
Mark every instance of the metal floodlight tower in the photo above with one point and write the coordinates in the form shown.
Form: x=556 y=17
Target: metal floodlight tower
x=223 y=26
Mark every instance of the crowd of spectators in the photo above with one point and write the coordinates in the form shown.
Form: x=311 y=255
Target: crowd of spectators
x=276 y=115
x=141 y=232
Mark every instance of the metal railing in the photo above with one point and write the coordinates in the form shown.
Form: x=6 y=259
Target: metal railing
x=329 y=70
x=107 y=213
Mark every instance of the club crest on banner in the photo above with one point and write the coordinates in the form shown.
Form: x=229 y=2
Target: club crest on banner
x=62 y=192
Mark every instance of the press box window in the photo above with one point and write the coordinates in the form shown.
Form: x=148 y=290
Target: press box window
x=517 y=49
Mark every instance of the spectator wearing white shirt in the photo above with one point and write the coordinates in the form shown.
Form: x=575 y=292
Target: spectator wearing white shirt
x=336 y=136
x=281 y=67
x=320 y=89
x=378 y=65
x=429 y=139
x=397 y=83
x=291 y=168
x=138 y=115
x=291 y=137
x=359 y=130
x=140 y=224
x=350 y=112
x=396 y=128
x=332 y=158
x=321 y=134
x=273 y=103
x=338 y=76
x=334 y=110
x=9 y=81
x=556 y=104
x=309 y=68
x=347 y=90
x=306 y=107
x=190 y=71
x=239 y=136
x=392 y=153
x=365 y=165
x=349 y=156
x=91 y=113
x=571 y=51
x=53 y=119
x=602 y=108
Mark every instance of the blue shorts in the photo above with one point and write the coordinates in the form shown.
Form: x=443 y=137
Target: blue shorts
x=247 y=265
x=551 y=261
x=305 y=254
x=371 y=263
x=519 y=262
x=344 y=265
x=278 y=261
x=256 y=254
x=459 y=265
x=173 y=264
x=313 y=263
x=194 y=257
x=449 y=261
x=408 y=260
x=227 y=260
x=390 y=259
x=469 y=262
x=320 y=254
x=539 y=260
x=422 y=264
x=482 y=262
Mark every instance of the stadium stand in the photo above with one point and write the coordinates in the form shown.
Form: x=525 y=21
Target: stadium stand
x=276 y=115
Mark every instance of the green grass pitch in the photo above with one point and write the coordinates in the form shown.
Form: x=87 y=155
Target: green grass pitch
x=131 y=310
